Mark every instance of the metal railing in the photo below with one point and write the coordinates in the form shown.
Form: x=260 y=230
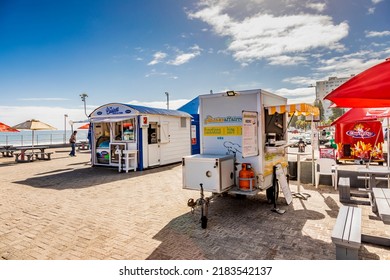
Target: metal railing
x=40 y=138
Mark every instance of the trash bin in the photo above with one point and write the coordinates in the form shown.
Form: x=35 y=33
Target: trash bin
x=292 y=170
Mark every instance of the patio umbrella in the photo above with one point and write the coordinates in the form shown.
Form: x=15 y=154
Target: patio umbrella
x=7 y=128
x=34 y=125
x=85 y=126
x=369 y=89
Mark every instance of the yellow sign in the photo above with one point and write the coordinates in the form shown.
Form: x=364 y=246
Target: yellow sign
x=222 y=131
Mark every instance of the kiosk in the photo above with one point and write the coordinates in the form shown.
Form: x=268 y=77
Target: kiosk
x=134 y=137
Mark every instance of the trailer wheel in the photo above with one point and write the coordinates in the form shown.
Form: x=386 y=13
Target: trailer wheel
x=203 y=220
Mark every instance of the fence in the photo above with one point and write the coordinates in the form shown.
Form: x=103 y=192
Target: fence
x=24 y=138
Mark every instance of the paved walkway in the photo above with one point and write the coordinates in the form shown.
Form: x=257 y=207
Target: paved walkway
x=66 y=209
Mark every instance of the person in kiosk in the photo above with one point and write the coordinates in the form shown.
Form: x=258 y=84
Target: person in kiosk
x=72 y=141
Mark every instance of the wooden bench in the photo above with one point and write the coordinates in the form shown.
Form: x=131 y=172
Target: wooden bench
x=381 y=203
x=44 y=155
x=7 y=152
x=367 y=179
x=347 y=234
x=344 y=189
x=26 y=157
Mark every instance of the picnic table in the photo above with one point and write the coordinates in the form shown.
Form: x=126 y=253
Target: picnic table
x=380 y=199
x=372 y=174
x=30 y=153
x=7 y=150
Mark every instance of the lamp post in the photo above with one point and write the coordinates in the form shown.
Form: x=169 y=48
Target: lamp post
x=65 y=116
x=167 y=94
x=83 y=96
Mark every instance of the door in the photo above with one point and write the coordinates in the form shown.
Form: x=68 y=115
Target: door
x=153 y=144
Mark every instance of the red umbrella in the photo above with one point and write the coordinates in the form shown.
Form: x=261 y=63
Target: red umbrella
x=363 y=114
x=85 y=126
x=369 y=89
x=6 y=128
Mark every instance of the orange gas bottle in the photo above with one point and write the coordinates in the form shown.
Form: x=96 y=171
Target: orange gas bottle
x=246 y=173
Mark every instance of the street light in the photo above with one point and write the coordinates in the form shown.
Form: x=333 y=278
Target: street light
x=167 y=94
x=65 y=116
x=83 y=96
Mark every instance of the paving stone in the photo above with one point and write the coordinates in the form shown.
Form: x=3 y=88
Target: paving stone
x=66 y=209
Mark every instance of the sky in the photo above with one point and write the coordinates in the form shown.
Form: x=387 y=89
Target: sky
x=134 y=51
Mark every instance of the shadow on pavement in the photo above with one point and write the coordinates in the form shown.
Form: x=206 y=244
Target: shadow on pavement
x=84 y=177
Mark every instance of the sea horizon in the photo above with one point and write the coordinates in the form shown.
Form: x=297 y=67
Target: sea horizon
x=41 y=137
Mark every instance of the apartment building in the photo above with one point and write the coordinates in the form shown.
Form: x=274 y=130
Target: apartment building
x=325 y=87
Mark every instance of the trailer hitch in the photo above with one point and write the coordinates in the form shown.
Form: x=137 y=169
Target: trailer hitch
x=203 y=203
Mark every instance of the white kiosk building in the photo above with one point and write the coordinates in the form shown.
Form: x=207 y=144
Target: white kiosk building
x=137 y=137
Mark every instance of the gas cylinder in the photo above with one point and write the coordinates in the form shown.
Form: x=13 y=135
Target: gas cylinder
x=246 y=173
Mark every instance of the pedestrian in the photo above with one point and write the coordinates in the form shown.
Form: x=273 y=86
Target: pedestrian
x=72 y=141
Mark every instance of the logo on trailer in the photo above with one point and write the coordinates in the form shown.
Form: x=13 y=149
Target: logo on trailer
x=359 y=131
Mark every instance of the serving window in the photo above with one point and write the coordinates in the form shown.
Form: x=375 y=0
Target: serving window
x=125 y=130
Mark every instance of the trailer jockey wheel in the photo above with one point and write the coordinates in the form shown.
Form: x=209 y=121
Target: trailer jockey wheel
x=271 y=195
x=203 y=221
x=275 y=193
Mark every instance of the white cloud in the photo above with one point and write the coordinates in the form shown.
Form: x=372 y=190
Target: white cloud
x=182 y=58
x=371 y=34
x=162 y=74
x=264 y=35
x=304 y=81
x=157 y=58
x=43 y=99
x=298 y=95
x=376 y=1
x=286 y=60
x=320 y=7
x=371 y=10
x=12 y=115
x=350 y=64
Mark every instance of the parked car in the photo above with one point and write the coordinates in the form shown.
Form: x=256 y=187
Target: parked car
x=307 y=138
x=294 y=141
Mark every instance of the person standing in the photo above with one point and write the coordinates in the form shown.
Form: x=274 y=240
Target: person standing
x=72 y=141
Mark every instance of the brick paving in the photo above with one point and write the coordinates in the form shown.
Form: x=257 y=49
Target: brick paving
x=66 y=209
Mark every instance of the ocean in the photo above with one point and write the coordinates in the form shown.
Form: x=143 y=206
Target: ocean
x=41 y=137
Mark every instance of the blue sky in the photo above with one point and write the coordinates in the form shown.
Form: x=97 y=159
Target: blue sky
x=133 y=51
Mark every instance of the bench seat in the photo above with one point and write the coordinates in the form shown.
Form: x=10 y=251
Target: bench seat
x=379 y=178
x=346 y=233
x=27 y=157
x=381 y=203
x=44 y=156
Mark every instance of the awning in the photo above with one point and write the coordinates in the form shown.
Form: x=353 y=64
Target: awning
x=297 y=109
x=362 y=114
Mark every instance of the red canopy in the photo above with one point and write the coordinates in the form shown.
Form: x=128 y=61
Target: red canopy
x=6 y=128
x=85 y=126
x=369 y=89
x=360 y=114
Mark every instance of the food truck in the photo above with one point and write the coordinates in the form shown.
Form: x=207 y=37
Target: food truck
x=359 y=136
x=360 y=141
x=132 y=137
x=241 y=143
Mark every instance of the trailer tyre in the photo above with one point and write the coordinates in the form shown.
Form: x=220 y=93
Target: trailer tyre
x=203 y=221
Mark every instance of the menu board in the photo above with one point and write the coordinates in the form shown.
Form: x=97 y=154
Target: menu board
x=249 y=134
x=283 y=184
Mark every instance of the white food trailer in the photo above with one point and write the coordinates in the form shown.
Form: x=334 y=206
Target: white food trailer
x=241 y=144
x=133 y=137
